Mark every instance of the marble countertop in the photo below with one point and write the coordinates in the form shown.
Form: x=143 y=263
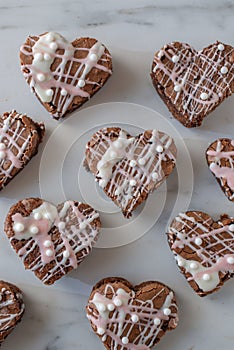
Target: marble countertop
x=132 y=30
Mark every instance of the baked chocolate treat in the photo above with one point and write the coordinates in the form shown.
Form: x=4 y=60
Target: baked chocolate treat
x=220 y=159
x=193 y=83
x=52 y=240
x=131 y=317
x=20 y=137
x=203 y=249
x=129 y=168
x=11 y=308
x=64 y=75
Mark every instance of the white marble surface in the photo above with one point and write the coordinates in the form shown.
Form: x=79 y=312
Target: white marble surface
x=132 y=30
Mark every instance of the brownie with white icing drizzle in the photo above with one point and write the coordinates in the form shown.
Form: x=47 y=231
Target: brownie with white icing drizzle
x=203 y=249
x=52 y=240
x=20 y=137
x=11 y=308
x=131 y=317
x=129 y=168
x=220 y=159
x=193 y=83
x=64 y=75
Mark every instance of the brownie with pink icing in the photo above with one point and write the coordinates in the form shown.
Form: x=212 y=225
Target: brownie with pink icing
x=11 y=308
x=52 y=240
x=193 y=83
x=62 y=74
x=131 y=317
x=203 y=249
x=20 y=137
x=220 y=159
x=128 y=168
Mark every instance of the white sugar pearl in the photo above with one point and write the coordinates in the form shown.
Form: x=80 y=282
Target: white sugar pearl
x=117 y=302
x=224 y=70
x=61 y=225
x=18 y=227
x=134 y=318
x=49 y=92
x=47 y=216
x=41 y=77
x=220 y=94
x=63 y=92
x=81 y=83
x=47 y=244
x=38 y=56
x=125 y=340
x=154 y=176
x=230 y=260
x=133 y=163
x=220 y=47
x=2 y=154
x=177 y=88
x=101 y=307
x=166 y=311
x=66 y=254
x=93 y=57
x=231 y=227
x=2 y=146
x=193 y=266
x=49 y=252
x=132 y=182
x=198 y=241
x=82 y=225
x=100 y=331
x=110 y=307
x=159 y=149
x=157 y=321
x=175 y=59
x=47 y=57
x=37 y=216
x=141 y=161
x=181 y=262
x=204 y=96
x=113 y=154
x=33 y=229
x=53 y=46
x=206 y=277
x=118 y=144
x=50 y=37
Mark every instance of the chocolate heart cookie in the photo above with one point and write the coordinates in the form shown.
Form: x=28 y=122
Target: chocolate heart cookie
x=131 y=317
x=64 y=75
x=193 y=83
x=20 y=137
x=11 y=308
x=52 y=240
x=129 y=168
x=220 y=159
x=203 y=249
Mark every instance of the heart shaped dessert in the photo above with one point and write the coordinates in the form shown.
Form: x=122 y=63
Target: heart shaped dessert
x=203 y=249
x=129 y=168
x=220 y=159
x=52 y=240
x=64 y=75
x=193 y=83
x=20 y=137
x=127 y=317
x=11 y=308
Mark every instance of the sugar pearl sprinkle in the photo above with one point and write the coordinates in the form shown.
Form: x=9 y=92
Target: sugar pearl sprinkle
x=100 y=331
x=37 y=216
x=49 y=92
x=132 y=182
x=93 y=57
x=206 y=277
x=38 y=56
x=134 y=318
x=81 y=83
x=82 y=225
x=2 y=146
x=224 y=70
x=220 y=47
x=61 y=225
x=18 y=227
x=2 y=154
x=193 y=266
x=110 y=307
x=33 y=229
x=230 y=260
x=101 y=308
x=47 y=244
x=49 y=252
x=117 y=302
x=204 y=96
x=47 y=57
x=159 y=149
x=231 y=227
x=157 y=321
x=125 y=340
x=177 y=88
x=175 y=59
x=141 y=161
x=132 y=163
x=198 y=241
x=41 y=77
x=66 y=254
x=63 y=92
x=181 y=262
x=154 y=176
x=166 y=311
x=53 y=46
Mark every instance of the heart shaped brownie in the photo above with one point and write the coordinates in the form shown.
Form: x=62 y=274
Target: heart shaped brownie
x=129 y=168
x=193 y=83
x=11 y=308
x=64 y=75
x=52 y=240
x=204 y=249
x=127 y=317
x=220 y=159
x=20 y=137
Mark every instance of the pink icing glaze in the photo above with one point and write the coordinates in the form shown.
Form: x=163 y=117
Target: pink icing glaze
x=220 y=266
x=223 y=172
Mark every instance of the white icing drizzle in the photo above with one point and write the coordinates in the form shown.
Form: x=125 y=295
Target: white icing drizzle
x=213 y=261
x=7 y=301
x=77 y=237
x=128 y=314
x=201 y=76
x=59 y=87
x=137 y=160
